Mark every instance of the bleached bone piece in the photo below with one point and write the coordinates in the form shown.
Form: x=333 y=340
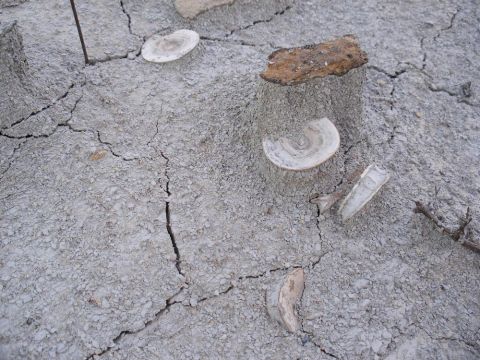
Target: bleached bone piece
x=371 y=181
x=325 y=202
x=320 y=141
x=161 y=49
x=191 y=8
x=283 y=297
x=300 y=85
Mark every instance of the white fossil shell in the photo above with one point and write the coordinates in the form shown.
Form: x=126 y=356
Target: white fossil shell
x=281 y=300
x=370 y=182
x=160 y=49
x=191 y=8
x=320 y=141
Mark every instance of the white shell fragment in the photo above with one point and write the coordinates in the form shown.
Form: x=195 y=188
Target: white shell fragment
x=281 y=300
x=191 y=8
x=370 y=182
x=320 y=141
x=161 y=49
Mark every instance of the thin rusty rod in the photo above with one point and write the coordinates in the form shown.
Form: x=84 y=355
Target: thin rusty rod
x=72 y=3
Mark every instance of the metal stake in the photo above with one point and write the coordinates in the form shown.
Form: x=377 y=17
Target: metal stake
x=79 y=31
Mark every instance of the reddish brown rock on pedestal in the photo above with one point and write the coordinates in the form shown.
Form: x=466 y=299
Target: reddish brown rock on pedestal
x=298 y=65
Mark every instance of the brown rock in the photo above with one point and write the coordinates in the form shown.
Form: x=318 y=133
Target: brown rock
x=298 y=65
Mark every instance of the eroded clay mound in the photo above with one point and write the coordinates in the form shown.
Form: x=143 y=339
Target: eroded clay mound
x=13 y=74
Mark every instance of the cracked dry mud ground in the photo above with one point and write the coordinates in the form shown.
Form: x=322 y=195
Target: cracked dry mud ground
x=133 y=225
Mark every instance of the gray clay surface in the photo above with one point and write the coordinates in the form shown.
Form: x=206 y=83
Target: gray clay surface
x=134 y=223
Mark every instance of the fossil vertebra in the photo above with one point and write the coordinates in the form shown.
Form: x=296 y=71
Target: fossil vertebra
x=160 y=49
x=319 y=142
x=370 y=182
x=282 y=298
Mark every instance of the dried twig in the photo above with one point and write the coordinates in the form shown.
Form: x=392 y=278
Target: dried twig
x=455 y=234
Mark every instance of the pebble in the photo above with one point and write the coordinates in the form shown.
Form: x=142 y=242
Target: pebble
x=360 y=284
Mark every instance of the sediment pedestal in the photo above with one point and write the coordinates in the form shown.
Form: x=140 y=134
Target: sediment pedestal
x=14 y=86
x=301 y=85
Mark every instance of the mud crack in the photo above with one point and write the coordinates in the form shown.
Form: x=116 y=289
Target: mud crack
x=12 y=158
x=72 y=110
x=278 y=13
x=395 y=75
x=122 y=5
x=168 y=303
x=168 y=216
x=308 y=336
x=29 y=136
x=36 y=112
x=245 y=43
x=449 y=26
x=232 y=41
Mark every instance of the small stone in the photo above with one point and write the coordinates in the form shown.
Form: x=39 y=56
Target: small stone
x=376 y=346
x=40 y=335
x=466 y=89
x=360 y=284
x=105 y=304
x=418 y=114
x=94 y=301
x=98 y=154
x=305 y=339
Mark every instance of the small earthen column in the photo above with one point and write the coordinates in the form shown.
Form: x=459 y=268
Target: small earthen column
x=299 y=89
x=14 y=85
